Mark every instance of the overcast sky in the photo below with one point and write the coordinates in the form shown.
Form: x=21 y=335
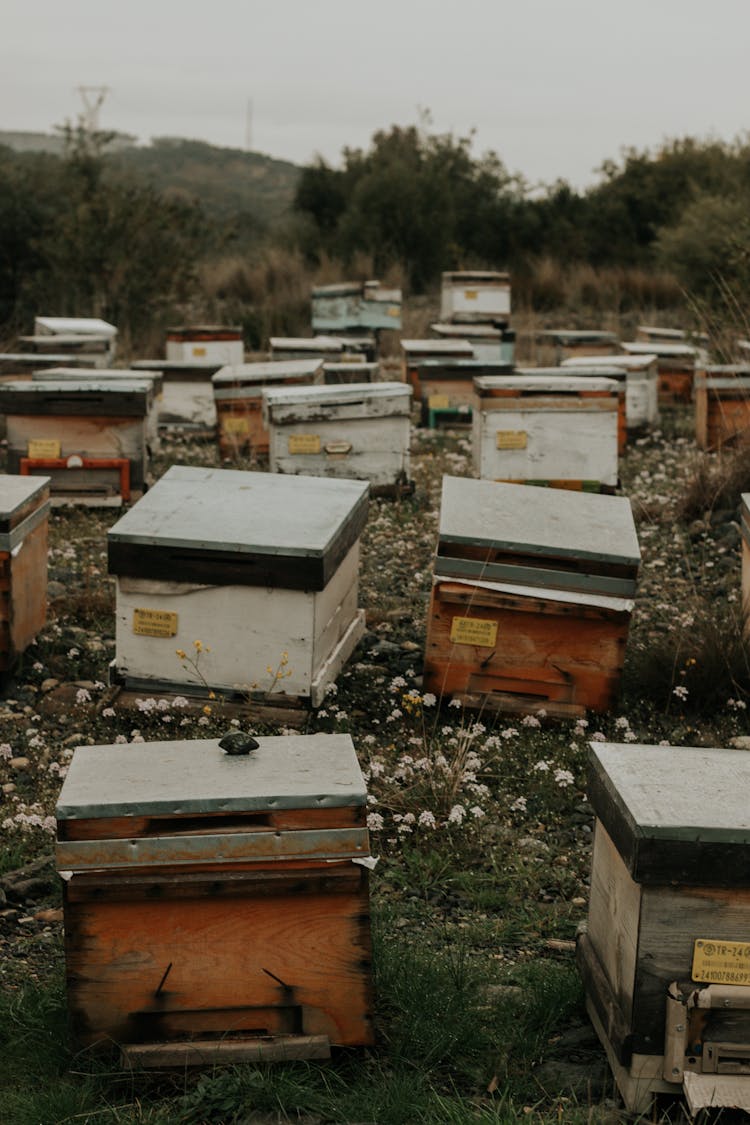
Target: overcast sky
x=553 y=86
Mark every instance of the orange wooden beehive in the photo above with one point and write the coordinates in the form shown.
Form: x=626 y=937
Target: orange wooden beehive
x=215 y=905
x=24 y=510
x=238 y=394
x=531 y=598
x=722 y=406
x=676 y=368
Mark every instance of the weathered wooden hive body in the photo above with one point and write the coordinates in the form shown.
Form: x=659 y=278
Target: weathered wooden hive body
x=475 y=297
x=355 y=306
x=210 y=342
x=355 y=430
x=89 y=435
x=569 y=343
x=531 y=599
x=676 y=365
x=488 y=344
x=262 y=569
x=216 y=908
x=722 y=406
x=444 y=387
x=79 y=374
x=596 y=371
x=187 y=400
x=555 y=431
x=24 y=510
x=640 y=374
x=238 y=394
x=665 y=957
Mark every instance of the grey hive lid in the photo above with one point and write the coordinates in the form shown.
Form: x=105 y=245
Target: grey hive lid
x=469 y=331
x=207 y=366
x=227 y=526
x=626 y=362
x=666 y=351
x=76 y=325
x=118 y=397
x=677 y=814
x=339 y=289
x=242 y=374
x=416 y=348
x=540 y=384
x=578 y=336
x=337 y=394
x=307 y=343
x=102 y=374
x=196 y=776
x=726 y=369
x=19 y=497
x=600 y=369
x=475 y=277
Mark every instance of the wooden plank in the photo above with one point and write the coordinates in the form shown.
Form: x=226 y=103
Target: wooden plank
x=614 y=914
x=127 y=827
x=211 y=1052
x=639 y=1082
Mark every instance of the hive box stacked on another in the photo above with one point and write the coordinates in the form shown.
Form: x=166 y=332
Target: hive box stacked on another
x=722 y=406
x=24 y=510
x=356 y=430
x=84 y=337
x=597 y=371
x=187 y=400
x=570 y=343
x=216 y=908
x=238 y=394
x=210 y=342
x=651 y=333
x=640 y=373
x=676 y=366
x=329 y=348
x=88 y=435
x=665 y=958
x=531 y=598
x=554 y=431
x=475 y=297
x=352 y=306
x=489 y=344
x=262 y=569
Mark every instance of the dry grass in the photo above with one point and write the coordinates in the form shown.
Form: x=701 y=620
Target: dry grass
x=718 y=482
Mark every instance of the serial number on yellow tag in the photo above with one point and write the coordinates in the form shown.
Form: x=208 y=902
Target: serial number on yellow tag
x=41 y=448
x=438 y=402
x=304 y=443
x=473 y=631
x=199 y=351
x=394 y=310
x=154 y=623
x=236 y=424
x=721 y=962
x=511 y=439
x=470 y=294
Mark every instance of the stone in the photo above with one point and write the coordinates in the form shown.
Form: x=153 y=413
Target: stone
x=19 y=763
x=740 y=742
x=9 y=787
x=49 y=916
x=55 y=590
x=50 y=684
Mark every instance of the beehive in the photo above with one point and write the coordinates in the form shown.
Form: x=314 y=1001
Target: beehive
x=665 y=956
x=656 y=334
x=569 y=343
x=555 y=431
x=356 y=430
x=599 y=370
x=488 y=344
x=354 y=370
x=531 y=597
x=187 y=401
x=87 y=338
x=216 y=906
x=641 y=377
x=24 y=509
x=475 y=296
x=238 y=394
x=722 y=406
x=89 y=436
x=444 y=388
x=262 y=569
x=355 y=305
x=79 y=374
x=676 y=367
x=220 y=344
x=329 y=348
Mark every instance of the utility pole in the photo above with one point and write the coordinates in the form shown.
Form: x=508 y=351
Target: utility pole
x=92 y=98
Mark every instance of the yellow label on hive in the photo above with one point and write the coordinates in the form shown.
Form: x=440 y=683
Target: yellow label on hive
x=236 y=424
x=510 y=439
x=721 y=962
x=470 y=294
x=394 y=310
x=154 y=623
x=41 y=448
x=439 y=402
x=199 y=351
x=473 y=631
x=304 y=443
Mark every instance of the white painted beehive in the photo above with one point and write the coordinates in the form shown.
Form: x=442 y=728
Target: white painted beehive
x=187 y=400
x=213 y=343
x=82 y=374
x=489 y=344
x=641 y=384
x=261 y=569
x=554 y=431
x=475 y=296
x=355 y=430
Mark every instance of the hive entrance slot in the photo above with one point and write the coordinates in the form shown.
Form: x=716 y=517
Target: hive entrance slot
x=206 y=824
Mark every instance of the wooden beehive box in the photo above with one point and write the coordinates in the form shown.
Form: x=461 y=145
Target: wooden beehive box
x=220 y=344
x=488 y=344
x=87 y=338
x=531 y=598
x=417 y=352
x=665 y=957
x=722 y=406
x=745 y=528
x=569 y=343
x=79 y=374
x=676 y=367
x=89 y=436
x=475 y=296
x=261 y=568
x=24 y=510
x=187 y=400
x=554 y=431
x=600 y=370
x=641 y=377
x=329 y=348
x=655 y=334
x=356 y=430
x=444 y=388
x=238 y=395
x=354 y=370
x=355 y=305
x=215 y=905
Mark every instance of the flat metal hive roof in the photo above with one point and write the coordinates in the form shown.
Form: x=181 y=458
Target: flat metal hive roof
x=77 y=325
x=466 y=331
x=437 y=347
x=334 y=394
x=626 y=362
x=307 y=343
x=15 y=491
x=339 y=289
x=547 y=522
x=578 y=335
x=249 y=513
x=262 y=372
x=196 y=776
x=465 y=277
x=540 y=383
x=192 y=364
x=636 y=347
x=45 y=384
